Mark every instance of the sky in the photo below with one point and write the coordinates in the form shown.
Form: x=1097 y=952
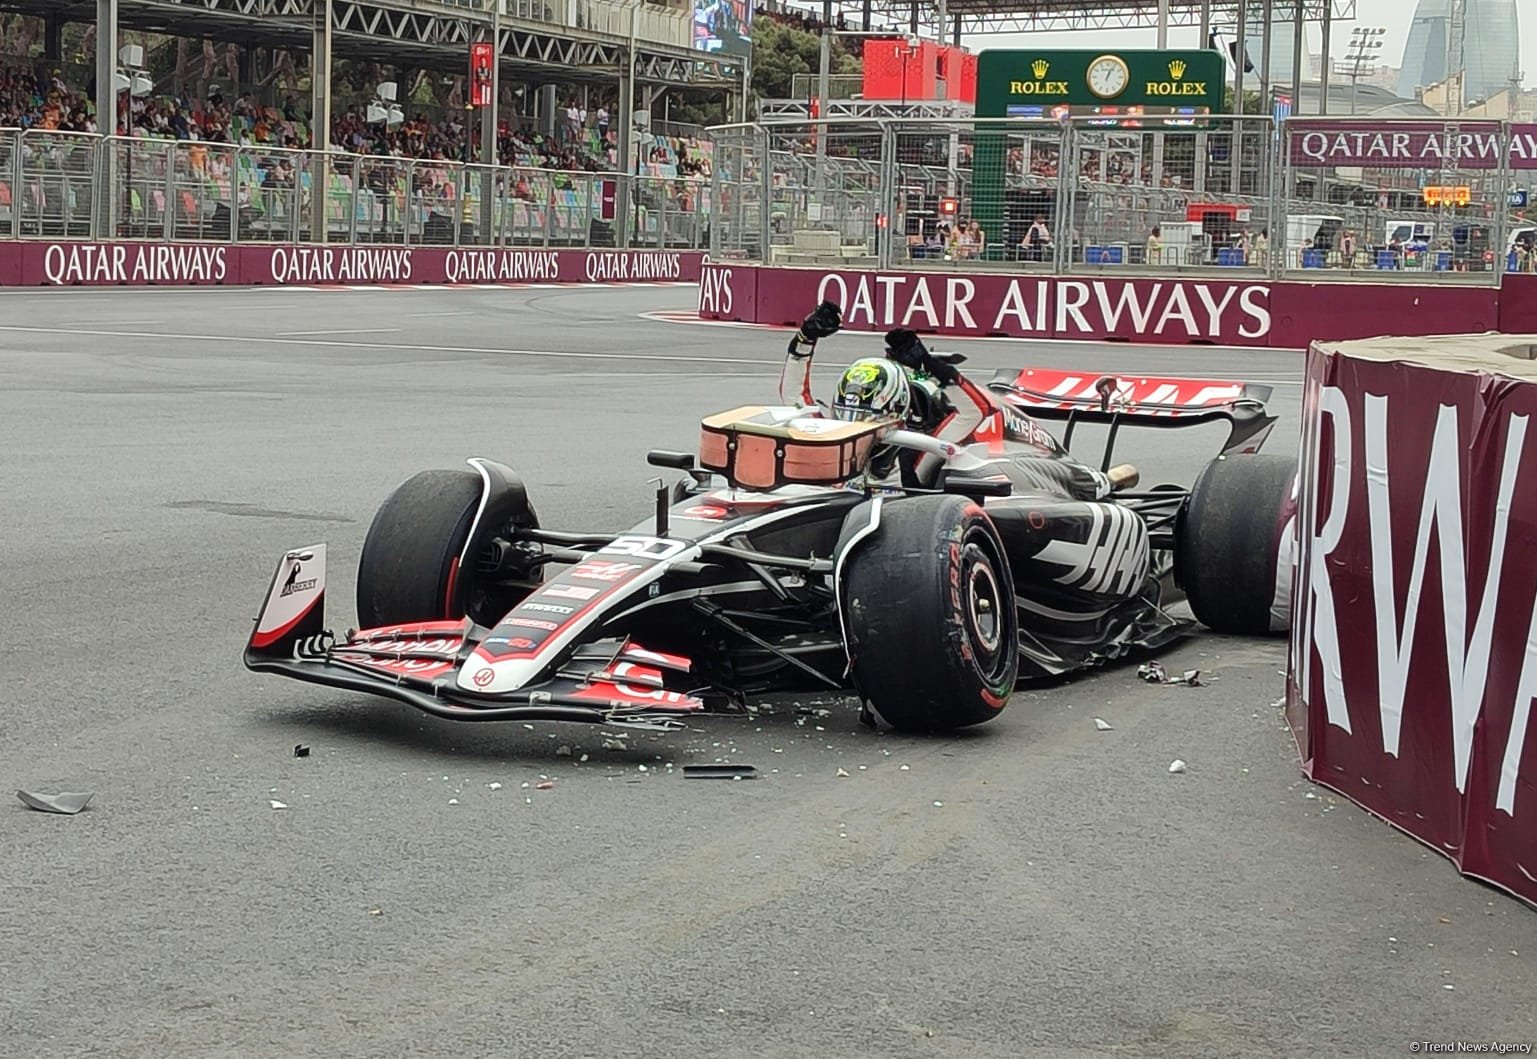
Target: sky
x=1391 y=15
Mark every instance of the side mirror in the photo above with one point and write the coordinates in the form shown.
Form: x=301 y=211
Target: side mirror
x=976 y=488
x=680 y=461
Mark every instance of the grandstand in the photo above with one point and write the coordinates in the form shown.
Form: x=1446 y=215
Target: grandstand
x=228 y=152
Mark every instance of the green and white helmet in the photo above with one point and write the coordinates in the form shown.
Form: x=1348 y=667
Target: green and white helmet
x=872 y=388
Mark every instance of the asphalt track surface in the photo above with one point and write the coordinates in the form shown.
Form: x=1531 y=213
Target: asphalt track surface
x=1036 y=887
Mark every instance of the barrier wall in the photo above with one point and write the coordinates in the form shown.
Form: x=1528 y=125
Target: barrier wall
x=1414 y=637
x=191 y=264
x=1218 y=312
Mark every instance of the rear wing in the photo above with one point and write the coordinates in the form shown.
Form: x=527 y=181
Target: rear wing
x=1142 y=400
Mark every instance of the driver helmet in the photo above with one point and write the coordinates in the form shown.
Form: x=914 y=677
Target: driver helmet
x=872 y=388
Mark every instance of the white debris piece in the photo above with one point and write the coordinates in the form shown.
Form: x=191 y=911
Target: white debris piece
x=276 y=804
x=453 y=801
x=904 y=768
x=843 y=773
x=563 y=751
x=494 y=786
x=1102 y=724
x=1176 y=766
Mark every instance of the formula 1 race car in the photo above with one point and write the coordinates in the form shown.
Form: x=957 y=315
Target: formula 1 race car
x=783 y=560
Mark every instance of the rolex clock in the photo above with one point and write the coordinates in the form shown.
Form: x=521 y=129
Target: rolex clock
x=1108 y=76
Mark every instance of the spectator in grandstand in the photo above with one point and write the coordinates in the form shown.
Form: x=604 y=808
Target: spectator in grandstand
x=1155 y=246
x=1347 y=249
x=1037 y=240
x=965 y=245
x=1262 y=248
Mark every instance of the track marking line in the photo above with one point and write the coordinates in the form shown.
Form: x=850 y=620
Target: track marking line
x=352 y=331
x=760 y=362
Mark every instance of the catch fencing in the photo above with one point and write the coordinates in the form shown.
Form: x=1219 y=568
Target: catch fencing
x=59 y=185
x=1379 y=199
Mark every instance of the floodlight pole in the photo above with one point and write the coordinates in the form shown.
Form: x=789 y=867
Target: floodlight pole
x=1297 y=59
x=489 y=119
x=320 y=117
x=823 y=69
x=1163 y=22
x=1324 y=64
x=106 y=110
x=1235 y=138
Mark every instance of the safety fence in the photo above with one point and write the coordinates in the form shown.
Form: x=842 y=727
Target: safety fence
x=58 y=185
x=1389 y=198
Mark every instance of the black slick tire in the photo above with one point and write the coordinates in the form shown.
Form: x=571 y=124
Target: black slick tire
x=411 y=554
x=930 y=614
x=1227 y=541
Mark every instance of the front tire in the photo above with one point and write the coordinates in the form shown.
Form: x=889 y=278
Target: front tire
x=409 y=570
x=1227 y=553
x=929 y=606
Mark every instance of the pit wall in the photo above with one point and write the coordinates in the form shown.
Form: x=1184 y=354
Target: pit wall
x=34 y=264
x=1413 y=661
x=1282 y=315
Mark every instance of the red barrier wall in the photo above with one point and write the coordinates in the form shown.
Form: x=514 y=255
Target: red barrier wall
x=177 y=264
x=1414 y=655
x=1518 y=304
x=1217 y=312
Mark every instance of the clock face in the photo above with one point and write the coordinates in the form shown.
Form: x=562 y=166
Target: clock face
x=1108 y=76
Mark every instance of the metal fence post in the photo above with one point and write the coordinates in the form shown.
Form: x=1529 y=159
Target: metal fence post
x=1504 y=183
x=765 y=196
x=1067 y=162
x=885 y=234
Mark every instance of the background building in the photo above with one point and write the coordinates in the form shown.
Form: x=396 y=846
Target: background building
x=1480 y=36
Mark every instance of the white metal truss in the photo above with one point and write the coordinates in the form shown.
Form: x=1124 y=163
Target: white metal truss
x=1044 y=16
x=407 y=32
x=866 y=108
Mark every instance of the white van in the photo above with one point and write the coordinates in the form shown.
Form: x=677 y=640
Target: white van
x=1409 y=233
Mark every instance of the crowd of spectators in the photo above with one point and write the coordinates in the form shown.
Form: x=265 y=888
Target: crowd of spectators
x=582 y=141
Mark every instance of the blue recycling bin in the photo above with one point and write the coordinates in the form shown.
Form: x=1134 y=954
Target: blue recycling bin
x=1386 y=259
x=1312 y=258
x=1113 y=255
x=1093 y=255
x=1443 y=260
x=1224 y=255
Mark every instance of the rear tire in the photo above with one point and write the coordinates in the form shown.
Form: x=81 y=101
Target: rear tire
x=929 y=606
x=409 y=569
x=1227 y=542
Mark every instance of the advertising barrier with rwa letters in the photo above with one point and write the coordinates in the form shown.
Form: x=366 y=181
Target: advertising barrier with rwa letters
x=1414 y=634
x=1403 y=145
x=193 y=264
x=1172 y=311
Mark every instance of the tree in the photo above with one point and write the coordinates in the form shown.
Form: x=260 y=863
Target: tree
x=780 y=51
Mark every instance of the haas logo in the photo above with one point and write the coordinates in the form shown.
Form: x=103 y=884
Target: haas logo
x=293 y=584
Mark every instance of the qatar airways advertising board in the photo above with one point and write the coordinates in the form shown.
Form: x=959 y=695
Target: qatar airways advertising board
x=1410 y=145
x=1170 y=311
x=1413 y=663
x=195 y=264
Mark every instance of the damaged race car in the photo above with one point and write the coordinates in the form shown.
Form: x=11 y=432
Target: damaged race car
x=922 y=542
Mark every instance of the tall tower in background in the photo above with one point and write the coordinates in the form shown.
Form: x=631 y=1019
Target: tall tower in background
x=1479 y=36
x=1491 y=46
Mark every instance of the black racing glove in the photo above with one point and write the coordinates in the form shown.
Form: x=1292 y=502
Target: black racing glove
x=826 y=319
x=907 y=349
